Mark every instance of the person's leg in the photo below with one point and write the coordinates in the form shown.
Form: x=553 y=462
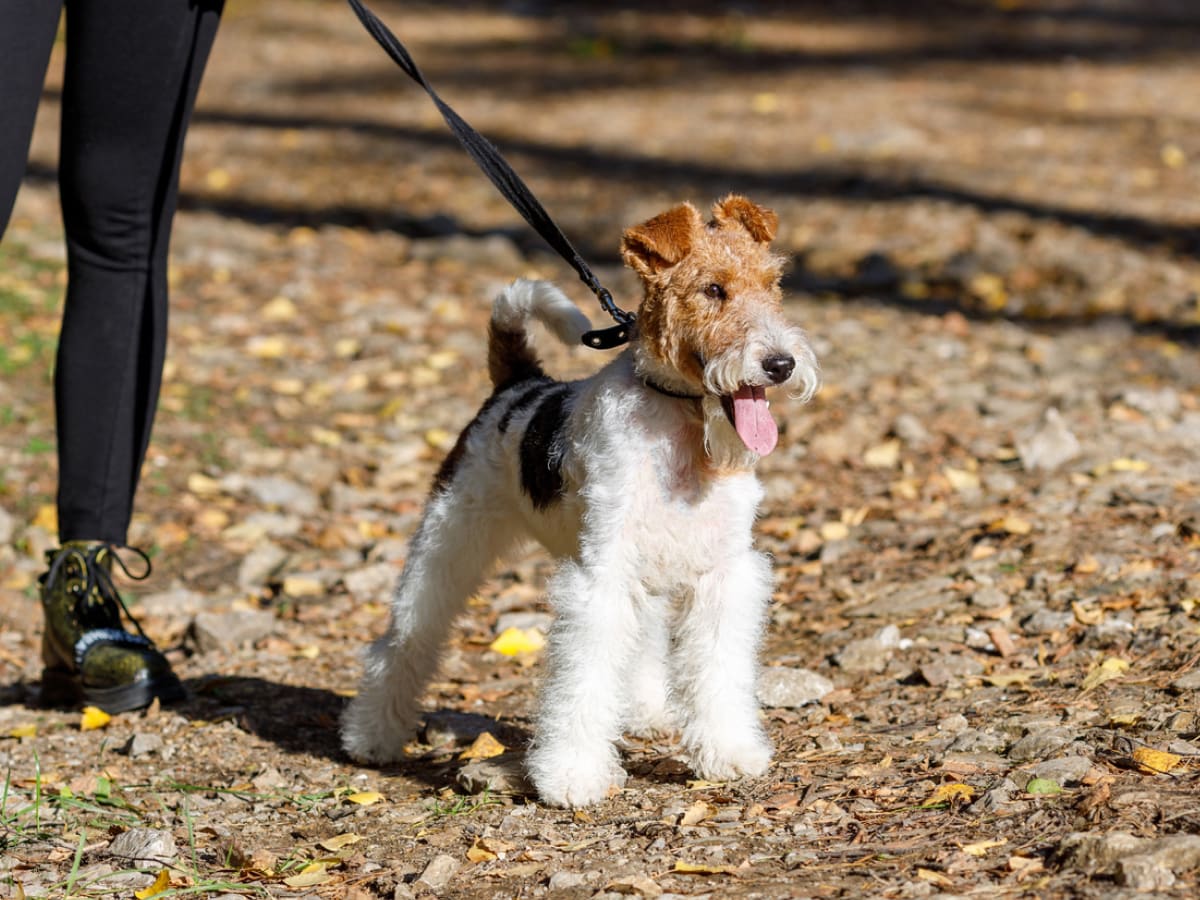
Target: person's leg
x=132 y=72
x=27 y=30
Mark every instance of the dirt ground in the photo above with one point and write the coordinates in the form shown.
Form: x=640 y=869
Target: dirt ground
x=986 y=527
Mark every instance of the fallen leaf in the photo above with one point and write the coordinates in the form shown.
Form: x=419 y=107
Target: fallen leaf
x=483 y=747
x=23 y=731
x=515 y=641
x=310 y=876
x=162 y=882
x=1111 y=668
x=933 y=877
x=883 y=456
x=948 y=793
x=47 y=518
x=336 y=843
x=1043 y=786
x=365 y=798
x=93 y=717
x=1024 y=865
x=963 y=481
x=696 y=813
x=1011 y=525
x=980 y=848
x=479 y=852
x=1155 y=762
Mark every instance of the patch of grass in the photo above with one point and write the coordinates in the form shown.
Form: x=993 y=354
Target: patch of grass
x=452 y=804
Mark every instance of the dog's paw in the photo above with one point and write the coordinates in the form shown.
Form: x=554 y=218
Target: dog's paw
x=370 y=735
x=570 y=779
x=728 y=761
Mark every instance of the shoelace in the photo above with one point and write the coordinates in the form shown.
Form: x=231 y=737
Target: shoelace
x=99 y=581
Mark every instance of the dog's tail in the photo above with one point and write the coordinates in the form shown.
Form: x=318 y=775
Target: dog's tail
x=511 y=358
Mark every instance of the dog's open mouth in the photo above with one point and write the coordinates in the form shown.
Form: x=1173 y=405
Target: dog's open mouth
x=748 y=411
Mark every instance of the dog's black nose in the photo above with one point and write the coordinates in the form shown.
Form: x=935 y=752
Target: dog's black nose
x=778 y=368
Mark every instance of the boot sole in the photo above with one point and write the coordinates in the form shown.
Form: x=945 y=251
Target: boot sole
x=63 y=690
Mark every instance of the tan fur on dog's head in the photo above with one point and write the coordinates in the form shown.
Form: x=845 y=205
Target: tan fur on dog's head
x=711 y=314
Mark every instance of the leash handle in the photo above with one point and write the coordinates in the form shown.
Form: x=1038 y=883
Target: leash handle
x=507 y=181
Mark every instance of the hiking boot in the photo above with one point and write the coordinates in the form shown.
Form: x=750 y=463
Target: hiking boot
x=89 y=656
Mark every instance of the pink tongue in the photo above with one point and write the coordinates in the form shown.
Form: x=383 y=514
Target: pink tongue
x=753 y=420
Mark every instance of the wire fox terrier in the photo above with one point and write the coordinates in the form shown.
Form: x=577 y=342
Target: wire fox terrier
x=640 y=481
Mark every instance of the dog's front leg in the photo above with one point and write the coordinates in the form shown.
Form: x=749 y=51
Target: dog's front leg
x=574 y=761
x=715 y=668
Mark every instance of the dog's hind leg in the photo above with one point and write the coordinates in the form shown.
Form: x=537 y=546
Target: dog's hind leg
x=450 y=554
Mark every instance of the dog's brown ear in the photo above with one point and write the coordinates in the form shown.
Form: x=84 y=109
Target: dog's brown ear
x=758 y=220
x=661 y=242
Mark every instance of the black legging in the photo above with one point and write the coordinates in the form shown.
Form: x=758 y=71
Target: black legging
x=132 y=71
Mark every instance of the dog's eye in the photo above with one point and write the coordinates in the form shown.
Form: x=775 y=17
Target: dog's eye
x=715 y=291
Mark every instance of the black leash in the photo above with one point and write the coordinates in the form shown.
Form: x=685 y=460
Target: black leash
x=495 y=167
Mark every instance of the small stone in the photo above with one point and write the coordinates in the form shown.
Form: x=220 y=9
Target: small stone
x=1048 y=446
x=1047 y=621
x=504 y=774
x=439 y=872
x=566 y=881
x=143 y=847
x=1144 y=874
x=1066 y=770
x=989 y=598
x=954 y=724
x=449 y=727
x=260 y=564
x=143 y=744
x=1040 y=744
x=780 y=686
x=1187 y=682
x=371 y=582
x=870 y=654
x=523 y=619
x=950 y=667
x=230 y=630
x=283 y=494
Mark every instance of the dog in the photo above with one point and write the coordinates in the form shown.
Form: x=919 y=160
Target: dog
x=640 y=481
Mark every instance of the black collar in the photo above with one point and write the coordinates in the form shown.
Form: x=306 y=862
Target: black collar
x=667 y=392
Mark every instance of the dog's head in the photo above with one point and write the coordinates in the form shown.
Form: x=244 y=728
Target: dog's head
x=711 y=320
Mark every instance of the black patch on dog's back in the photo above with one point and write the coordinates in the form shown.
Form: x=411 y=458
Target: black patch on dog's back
x=445 y=472
x=527 y=397
x=542 y=449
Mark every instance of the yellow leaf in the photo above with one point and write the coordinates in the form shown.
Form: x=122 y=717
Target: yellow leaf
x=1113 y=667
x=980 y=848
x=267 y=346
x=1085 y=615
x=687 y=868
x=1125 y=464
x=439 y=438
x=1011 y=525
x=1155 y=762
x=23 y=731
x=948 y=793
x=515 y=641
x=483 y=747
x=310 y=876
x=47 y=517
x=834 y=531
x=765 y=103
x=217 y=179
x=883 y=456
x=278 y=309
x=962 y=480
x=696 y=813
x=202 y=486
x=1173 y=156
x=311 y=651
x=93 y=717
x=161 y=883
x=365 y=798
x=933 y=877
x=336 y=843
x=699 y=784
x=479 y=852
